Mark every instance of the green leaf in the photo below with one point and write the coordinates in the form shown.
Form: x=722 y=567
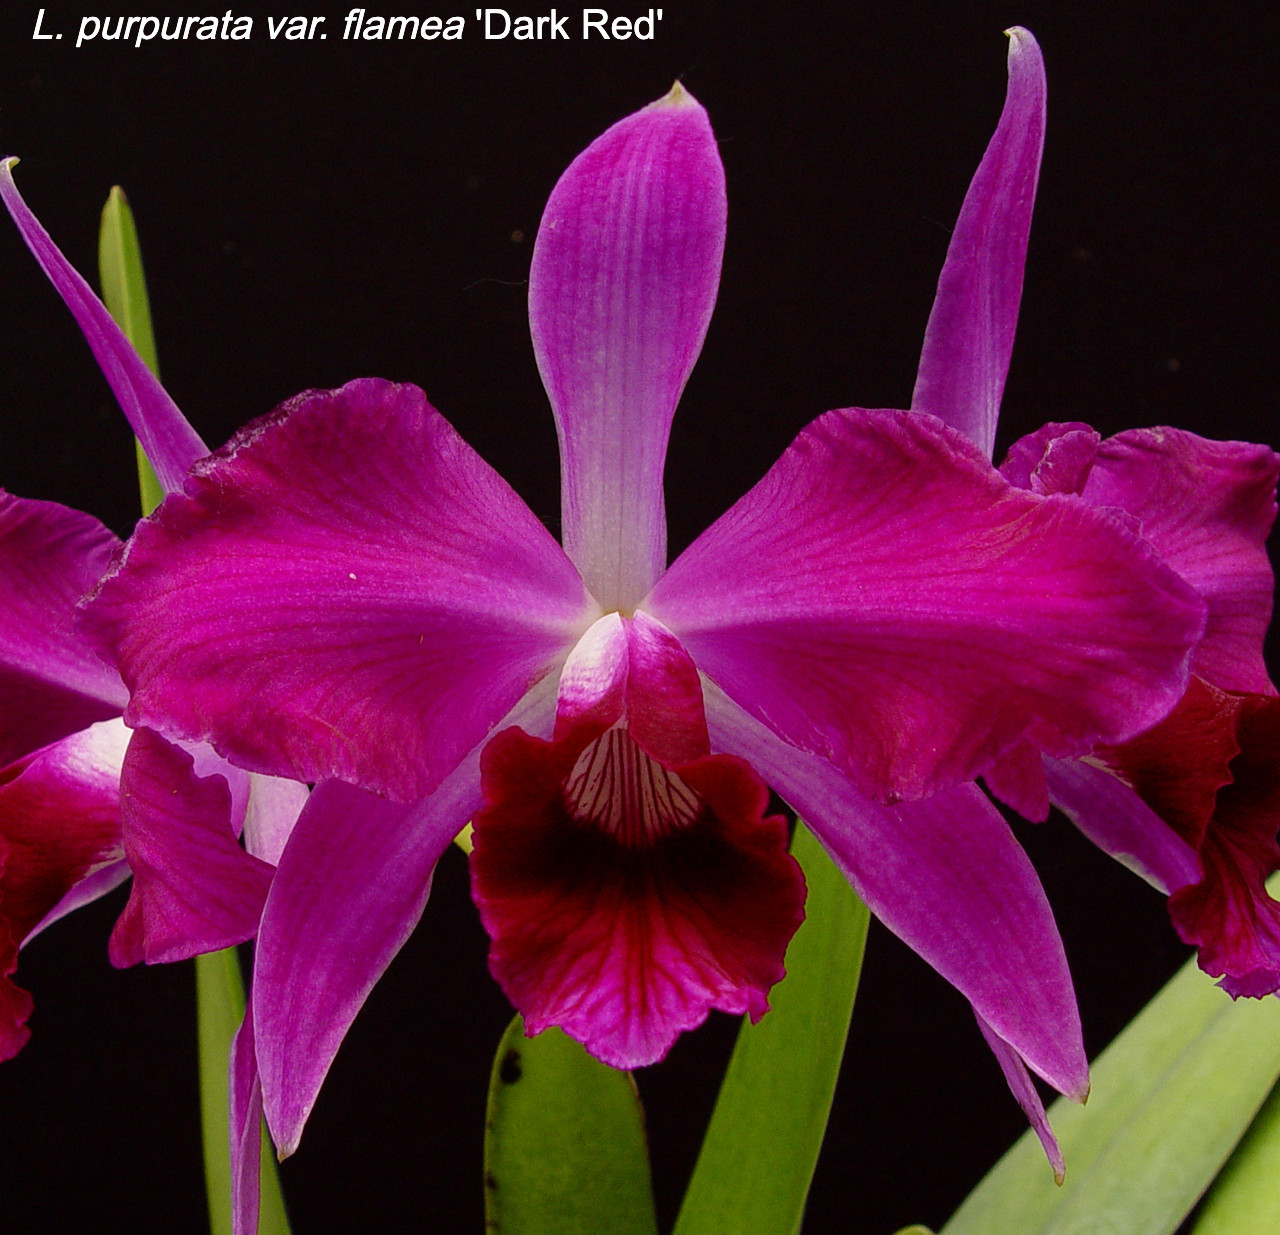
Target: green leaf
x=1246 y=1196
x=565 y=1150
x=219 y=983
x=220 y=1003
x=124 y=292
x=762 y=1145
x=1171 y=1097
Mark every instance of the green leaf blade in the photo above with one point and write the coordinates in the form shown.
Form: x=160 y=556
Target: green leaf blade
x=1171 y=1097
x=1246 y=1195
x=124 y=292
x=761 y=1148
x=565 y=1149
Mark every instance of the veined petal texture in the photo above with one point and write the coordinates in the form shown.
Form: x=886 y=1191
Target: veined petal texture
x=947 y=876
x=194 y=888
x=52 y=681
x=884 y=599
x=623 y=281
x=969 y=338
x=1207 y=508
x=345 y=591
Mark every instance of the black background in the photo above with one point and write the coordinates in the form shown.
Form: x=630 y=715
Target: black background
x=313 y=212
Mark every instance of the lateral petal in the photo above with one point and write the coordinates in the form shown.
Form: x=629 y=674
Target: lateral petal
x=169 y=442
x=53 y=683
x=1207 y=507
x=624 y=277
x=1121 y=824
x=969 y=339
x=316 y=624
x=194 y=888
x=884 y=599
x=948 y=878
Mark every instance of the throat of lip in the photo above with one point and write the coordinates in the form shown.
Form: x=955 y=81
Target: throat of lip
x=618 y=788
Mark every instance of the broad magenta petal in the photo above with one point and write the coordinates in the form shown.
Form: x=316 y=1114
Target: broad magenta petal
x=969 y=338
x=59 y=822
x=625 y=930
x=53 y=683
x=345 y=591
x=194 y=888
x=170 y=443
x=624 y=277
x=884 y=599
x=948 y=878
x=1207 y=508
x=1024 y=1090
x=245 y=1091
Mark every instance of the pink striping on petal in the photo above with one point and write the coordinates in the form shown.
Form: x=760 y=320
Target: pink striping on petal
x=884 y=599
x=625 y=899
x=623 y=281
x=351 y=886
x=948 y=878
x=316 y=623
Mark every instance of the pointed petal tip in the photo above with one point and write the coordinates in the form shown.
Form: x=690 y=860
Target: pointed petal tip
x=677 y=96
x=1021 y=43
x=9 y=163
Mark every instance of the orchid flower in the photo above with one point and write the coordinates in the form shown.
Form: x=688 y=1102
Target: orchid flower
x=1194 y=802
x=346 y=593
x=83 y=805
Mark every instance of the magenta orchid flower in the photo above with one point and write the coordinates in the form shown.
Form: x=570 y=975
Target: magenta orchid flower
x=346 y=593
x=84 y=805
x=1194 y=802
